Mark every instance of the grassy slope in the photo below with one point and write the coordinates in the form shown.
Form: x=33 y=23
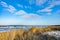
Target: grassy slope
x=24 y=35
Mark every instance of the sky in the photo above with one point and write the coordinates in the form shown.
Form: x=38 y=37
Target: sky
x=29 y=12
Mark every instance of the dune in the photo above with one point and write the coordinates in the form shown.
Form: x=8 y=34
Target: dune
x=4 y=36
x=30 y=34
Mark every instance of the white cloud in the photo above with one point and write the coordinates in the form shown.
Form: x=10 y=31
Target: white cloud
x=54 y=3
x=23 y=6
x=31 y=2
x=45 y=10
x=4 y=4
x=48 y=9
x=24 y=14
x=30 y=16
x=28 y=7
x=37 y=2
x=20 y=12
x=19 y=5
x=40 y=2
x=8 y=7
x=11 y=9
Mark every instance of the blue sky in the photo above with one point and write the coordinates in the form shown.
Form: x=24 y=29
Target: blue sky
x=29 y=12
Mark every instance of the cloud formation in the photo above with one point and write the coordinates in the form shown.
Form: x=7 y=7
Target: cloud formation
x=24 y=6
x=19 y=5
x=3 y=4
x=20 y=12
x=40 y=2
x=52 y=4
x=11 y=9
x=37 y=2
x=24 y=14
x=8 y=7
x=49 y=9
x=45 y=10
x=30 y=16
x=31 y=2
x=41 y=12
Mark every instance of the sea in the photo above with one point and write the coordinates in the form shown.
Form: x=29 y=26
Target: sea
x=4 y=28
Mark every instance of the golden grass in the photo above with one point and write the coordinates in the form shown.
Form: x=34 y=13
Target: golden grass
x=23 y=33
